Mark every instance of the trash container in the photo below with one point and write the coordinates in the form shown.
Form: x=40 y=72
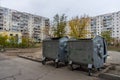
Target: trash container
x=55 y=49
x=89 y=52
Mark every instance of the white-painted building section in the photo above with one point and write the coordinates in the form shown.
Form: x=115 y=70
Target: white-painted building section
x=106 y=22
x=29 y=25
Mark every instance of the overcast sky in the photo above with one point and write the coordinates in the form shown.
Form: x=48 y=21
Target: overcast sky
x=48 y=8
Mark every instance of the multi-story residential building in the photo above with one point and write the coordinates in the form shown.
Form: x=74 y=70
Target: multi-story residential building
x=106 y=22
x=28 y=24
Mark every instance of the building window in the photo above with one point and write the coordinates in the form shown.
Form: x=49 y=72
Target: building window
x=16 y=34
x=11 y=34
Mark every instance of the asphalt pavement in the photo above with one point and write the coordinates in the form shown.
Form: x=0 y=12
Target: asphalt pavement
x=21 y=69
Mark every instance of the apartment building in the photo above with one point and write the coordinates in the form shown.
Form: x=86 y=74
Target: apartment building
x=29 y=25
x=106 y=22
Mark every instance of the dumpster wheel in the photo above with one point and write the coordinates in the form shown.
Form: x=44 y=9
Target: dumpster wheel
x=98 y=69
x=90 y=72
x=66 y=63
x=56 y=64
x=43 y=62
x=71 y=67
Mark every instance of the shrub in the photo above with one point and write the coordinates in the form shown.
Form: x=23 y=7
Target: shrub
x=12 y=42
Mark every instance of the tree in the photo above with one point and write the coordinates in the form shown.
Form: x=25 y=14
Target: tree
x=107 y=36
x=78 y=27
x=3 y=40
x=59 y=24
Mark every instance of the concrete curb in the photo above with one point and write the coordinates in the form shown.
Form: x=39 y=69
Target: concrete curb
x=21 y=56
x=108 y=76
x=102 y=71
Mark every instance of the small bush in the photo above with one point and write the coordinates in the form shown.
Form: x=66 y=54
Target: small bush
x=12 y=42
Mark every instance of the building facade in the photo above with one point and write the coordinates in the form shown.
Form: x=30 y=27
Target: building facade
x=29 y=25
x=106 y=22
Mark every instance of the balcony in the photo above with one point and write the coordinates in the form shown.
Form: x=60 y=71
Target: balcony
x=108 y=17
x=1 y=24
x=1 y=10
x=36 y=29
x=35 y=33
x=1 y=27
x=108 y=28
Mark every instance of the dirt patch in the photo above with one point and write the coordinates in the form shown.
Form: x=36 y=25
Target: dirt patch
x=19 y=51
x=115 y=69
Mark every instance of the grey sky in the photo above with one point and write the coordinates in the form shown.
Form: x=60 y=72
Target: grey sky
x=71 y=8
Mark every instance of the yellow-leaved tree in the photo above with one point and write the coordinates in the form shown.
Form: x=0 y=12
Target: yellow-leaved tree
x=79 y=27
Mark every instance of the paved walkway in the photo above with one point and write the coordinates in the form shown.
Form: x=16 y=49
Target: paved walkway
x=114 y=57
